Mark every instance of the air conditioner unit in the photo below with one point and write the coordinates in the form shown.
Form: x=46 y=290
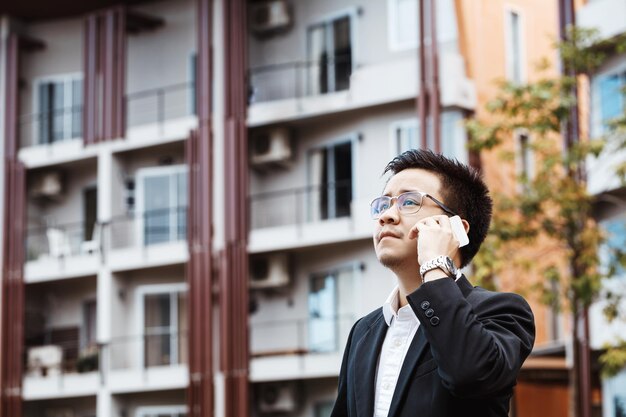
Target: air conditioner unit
x=277 y=397
x=272 y=147
x=270 y=16
x=48 y=185
x=269 y=271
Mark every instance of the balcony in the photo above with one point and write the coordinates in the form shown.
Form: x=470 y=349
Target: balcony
x=61 y=368
x=306 y=216
x=296 y=90
x=151 y=238
x=53 y=135
x=148 y=362
x=61 y=251
x=297 y=349
x=160 y=115
x=154 y=116
x=594 y=15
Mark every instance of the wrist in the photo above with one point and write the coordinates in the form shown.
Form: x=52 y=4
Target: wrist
x=434 y=274
x=443 y=264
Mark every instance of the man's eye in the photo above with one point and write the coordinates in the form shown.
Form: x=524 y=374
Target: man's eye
x=410 y=202
x=382 y=207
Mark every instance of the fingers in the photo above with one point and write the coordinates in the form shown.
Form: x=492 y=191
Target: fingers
x=435 y=222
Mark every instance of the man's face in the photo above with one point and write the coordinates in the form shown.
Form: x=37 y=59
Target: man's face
x=391 y=242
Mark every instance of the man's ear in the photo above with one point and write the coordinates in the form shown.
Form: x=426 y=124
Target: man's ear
x=466 y=225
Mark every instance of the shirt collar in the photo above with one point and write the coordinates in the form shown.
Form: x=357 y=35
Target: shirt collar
x=391 y=308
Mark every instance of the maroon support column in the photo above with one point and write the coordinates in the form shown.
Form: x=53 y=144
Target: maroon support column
x=11 y=331
x=428 y=96
x=234 y=272
x=104 y=68
x=199 y=221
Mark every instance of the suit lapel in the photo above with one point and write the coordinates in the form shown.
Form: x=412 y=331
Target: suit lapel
x=415 y=355
x=366 y=353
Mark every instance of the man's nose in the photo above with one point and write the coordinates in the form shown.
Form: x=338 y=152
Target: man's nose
x=390 y=216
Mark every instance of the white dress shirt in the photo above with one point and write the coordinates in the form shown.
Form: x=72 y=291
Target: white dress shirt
x=403 y=324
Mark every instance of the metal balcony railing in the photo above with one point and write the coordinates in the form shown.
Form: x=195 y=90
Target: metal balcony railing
x=149 y=228
x=299 y=79
x=61 y=241
x=296 y=206
x=160 y=104
x=299 y=337
x=163 y=348
x=56 y=359
x=52 y=126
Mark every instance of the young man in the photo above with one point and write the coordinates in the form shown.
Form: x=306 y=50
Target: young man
x=438 y=346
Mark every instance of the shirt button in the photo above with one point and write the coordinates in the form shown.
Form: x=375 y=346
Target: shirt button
x=398 y=342
x=386 y=386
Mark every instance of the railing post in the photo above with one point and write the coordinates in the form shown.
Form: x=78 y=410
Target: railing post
x=160 y=109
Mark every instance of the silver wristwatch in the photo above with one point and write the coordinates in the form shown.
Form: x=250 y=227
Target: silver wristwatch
x=440 y=262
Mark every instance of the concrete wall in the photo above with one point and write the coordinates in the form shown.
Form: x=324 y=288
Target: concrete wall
x=61 y=56
x=371 y=29
x=283 y=313
x=67 y=208
x=60 y=303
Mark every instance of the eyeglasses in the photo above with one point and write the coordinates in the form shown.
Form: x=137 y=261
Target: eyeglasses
x=407 y=203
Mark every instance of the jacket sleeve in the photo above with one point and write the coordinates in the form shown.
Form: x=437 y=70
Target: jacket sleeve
x=341 y=403
x=480 y=342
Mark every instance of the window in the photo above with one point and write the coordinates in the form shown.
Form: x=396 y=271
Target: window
x=330 y=308
x=162 y=411
x=330 y=55
x=90 y=212
x=163 y=324
x=403 y=23
x=59 y=109
x=406 y=135
x=513 y=36
x=330 y=173
x=620 y=406
x=525 y=158
x=611 y=95
x=162 y=204
x=89 y=332
x=616 y=240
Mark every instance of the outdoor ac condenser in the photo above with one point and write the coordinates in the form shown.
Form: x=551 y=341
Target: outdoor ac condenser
x=269 y=271
x=277 y=397
x=269 y=16
x=271 y=147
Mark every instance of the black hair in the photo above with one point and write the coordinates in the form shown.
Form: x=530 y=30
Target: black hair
x=462 y=190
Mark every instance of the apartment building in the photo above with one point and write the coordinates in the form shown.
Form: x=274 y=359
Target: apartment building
x=105 y=328
x=606 y=102
x=331 y=97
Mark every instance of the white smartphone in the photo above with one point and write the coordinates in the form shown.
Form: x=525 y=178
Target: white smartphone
x=459 y=231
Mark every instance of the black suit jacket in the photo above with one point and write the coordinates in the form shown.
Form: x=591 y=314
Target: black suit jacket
x=462 y=362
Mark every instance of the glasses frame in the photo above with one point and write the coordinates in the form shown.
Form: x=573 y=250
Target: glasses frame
x=422 y=194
